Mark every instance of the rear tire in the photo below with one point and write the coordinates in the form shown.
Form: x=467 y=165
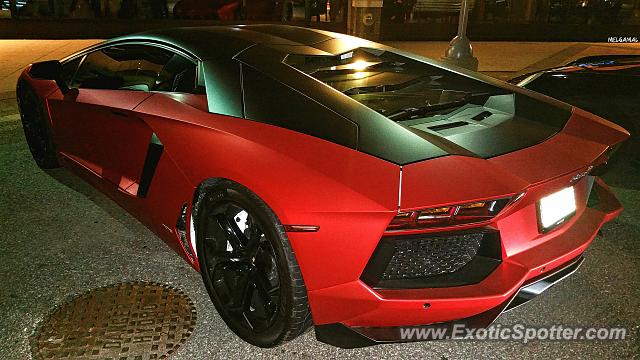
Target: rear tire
x=248 y=266
x=36 y=127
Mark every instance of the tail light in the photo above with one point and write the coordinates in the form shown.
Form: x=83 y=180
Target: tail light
x=448 y=215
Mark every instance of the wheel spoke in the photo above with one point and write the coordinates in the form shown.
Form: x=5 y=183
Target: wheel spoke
x=243 y=290
x=242 y=266
x=237 y=232
x=228 y=265
x=226 y=255
x=253 y=243
x=247 y=295
x=232 y=233
x=218 y=266
x=263 y=287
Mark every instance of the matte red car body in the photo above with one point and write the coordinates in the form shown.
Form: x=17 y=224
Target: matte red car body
x=350 y=195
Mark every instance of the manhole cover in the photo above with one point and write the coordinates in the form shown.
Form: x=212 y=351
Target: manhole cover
x=137 y=321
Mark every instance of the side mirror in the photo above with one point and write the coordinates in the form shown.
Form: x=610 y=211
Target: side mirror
x=49 y=70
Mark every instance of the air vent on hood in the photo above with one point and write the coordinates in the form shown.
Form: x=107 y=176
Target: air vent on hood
x=448 y=126
x=483 y=115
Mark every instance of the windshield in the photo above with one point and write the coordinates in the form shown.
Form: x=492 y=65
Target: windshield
x=394 y=85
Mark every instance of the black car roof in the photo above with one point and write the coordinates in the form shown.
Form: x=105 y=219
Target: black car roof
x=264 y=48
x=209 y=42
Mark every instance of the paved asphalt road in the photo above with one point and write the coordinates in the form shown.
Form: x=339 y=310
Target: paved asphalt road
x=60 y=238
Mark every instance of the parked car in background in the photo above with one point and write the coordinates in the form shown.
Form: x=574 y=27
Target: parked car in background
x=207 y=9
x=608 y=86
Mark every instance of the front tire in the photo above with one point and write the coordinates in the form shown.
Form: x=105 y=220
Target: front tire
x=36 y=127
x=248 y=266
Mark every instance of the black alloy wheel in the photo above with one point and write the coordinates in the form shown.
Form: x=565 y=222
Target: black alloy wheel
x=36 y=127
x=248 y=266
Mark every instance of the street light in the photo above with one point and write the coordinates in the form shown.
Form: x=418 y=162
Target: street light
x=460 y=51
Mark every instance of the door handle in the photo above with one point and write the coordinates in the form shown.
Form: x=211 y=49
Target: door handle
x=118 y=113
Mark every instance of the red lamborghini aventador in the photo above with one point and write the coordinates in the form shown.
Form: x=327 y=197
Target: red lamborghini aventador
x=319 y=179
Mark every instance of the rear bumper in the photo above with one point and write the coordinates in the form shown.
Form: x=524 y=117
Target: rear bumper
x=353 y=314
x=342 y=336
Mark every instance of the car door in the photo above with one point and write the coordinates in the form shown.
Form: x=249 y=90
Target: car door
x=95 y=122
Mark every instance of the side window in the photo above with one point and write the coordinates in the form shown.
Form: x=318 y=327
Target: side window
x=136 y=67
x=178 y=75
x=69 y=69
x=271 y=102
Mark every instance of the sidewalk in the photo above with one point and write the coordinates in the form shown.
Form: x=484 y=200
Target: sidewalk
x=502 y=60
x=505 y=59
x=15 y=55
